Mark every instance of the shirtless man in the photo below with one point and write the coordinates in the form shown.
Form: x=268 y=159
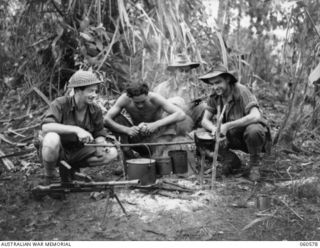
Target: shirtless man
x=152 y=116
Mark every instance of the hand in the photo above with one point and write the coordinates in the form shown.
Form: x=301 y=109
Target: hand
x=103 y=156
x=213 y=131
x=223 y=129
x=84 y=136
x=151 y=127
x=143 y=128
x=133 y=131
x=97 y=161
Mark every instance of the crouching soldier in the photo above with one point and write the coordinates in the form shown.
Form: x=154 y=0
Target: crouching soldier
x=153 y=118
x=242 y=123
x=70 y=122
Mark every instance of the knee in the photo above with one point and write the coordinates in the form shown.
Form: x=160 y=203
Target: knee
x=50 y=146
x=112 y=154
x=254 y=134
x=51 y=140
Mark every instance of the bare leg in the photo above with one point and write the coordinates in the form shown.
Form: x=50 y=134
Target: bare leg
x=50 y=154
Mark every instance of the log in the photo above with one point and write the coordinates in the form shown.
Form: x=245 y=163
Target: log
x=24 y=128
x=2 y=137
x=7 y=163
x=179 y=187
x=14 y=154
x=298 y=182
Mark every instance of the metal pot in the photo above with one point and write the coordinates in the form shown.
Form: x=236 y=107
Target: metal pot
x=143 y=169
x=163 y=165
x=204 y=140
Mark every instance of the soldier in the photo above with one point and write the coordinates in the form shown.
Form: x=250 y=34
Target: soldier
x=151 y=117
x=70 y=122
x=181 y=89
x=243 y=125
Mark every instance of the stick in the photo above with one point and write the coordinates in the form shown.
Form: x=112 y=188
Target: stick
x=141 y=144
x=7 y=163
x=15 y=133
x=14 y=154
x=23 y=128
x=122 y=159
x=202 y=168
x=292 y=210
x=191 y=162
x=216 y=148
x=11 y=142
x=30 y=115
x=177 y=185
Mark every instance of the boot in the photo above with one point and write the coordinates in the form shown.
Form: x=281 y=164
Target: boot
x=51 y=175
x=66 y=174
x=253 y=170
x=231 y=163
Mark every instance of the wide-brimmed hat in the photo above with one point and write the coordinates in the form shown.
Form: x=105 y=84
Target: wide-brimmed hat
x=182 y=60
x=218 y=71
x=83 y=78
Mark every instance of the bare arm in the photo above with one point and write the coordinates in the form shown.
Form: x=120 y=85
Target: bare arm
x=175 y=113
x=253 y=117
x=207 y=121
x=113 y=112
x=83 y=135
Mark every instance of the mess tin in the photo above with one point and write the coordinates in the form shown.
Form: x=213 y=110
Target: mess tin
x=204 y=140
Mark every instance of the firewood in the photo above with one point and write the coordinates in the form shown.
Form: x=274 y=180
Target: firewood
x=2 y=137
x=7 y=163
x=298 y=182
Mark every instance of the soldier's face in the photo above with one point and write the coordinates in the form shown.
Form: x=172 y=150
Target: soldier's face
x=89 y=94
x=220 y=85
x=140 y=101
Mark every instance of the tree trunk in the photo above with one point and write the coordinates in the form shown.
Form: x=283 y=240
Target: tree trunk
x=223 y=15
x=291 y=124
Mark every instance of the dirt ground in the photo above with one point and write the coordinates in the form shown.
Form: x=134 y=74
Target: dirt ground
x=227 y=212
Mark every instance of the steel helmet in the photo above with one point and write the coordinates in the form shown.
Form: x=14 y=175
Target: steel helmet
x=83 y=78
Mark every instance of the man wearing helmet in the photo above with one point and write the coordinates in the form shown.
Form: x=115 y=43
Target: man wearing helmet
x=70 y=122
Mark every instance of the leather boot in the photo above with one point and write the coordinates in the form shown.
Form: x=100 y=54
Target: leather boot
x=231 y=163
x=50 y=172
x=254 y=167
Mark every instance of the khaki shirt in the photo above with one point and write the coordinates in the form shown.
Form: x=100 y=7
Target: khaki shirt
x=63 y=110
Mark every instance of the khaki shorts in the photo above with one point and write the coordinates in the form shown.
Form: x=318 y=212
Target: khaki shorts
x=74 y=153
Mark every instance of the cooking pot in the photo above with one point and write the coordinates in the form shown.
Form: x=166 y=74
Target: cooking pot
x=204 y=140
x=163 y=165
x=179 y=161
x=143 y=169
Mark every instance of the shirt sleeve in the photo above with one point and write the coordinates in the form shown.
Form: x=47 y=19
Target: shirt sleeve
x=99 y=129
x=248 y=100
x=54 y=113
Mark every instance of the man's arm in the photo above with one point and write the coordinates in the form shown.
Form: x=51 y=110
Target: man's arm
x=175 y=113
x=113 y=112
x=253 y=116
x=83 y=135
x=207 y=122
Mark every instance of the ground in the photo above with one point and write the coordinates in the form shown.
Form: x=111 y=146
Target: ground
x=229 y=211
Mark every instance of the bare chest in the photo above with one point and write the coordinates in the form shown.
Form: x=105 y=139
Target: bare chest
x=149 y=113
